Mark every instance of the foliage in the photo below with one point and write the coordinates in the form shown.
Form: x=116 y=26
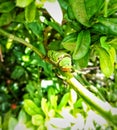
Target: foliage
x=42 y=43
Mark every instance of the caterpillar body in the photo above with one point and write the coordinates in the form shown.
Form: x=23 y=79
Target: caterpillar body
x=61 y=58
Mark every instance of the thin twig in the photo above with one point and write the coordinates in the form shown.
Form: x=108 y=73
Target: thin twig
x=20 y=40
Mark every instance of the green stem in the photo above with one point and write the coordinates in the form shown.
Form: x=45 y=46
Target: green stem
x=20 y=40
x=103 y=108
x=106 y=8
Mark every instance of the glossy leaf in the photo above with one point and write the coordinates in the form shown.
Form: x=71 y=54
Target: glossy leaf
x=23 y=3
x=112 y=54
x=69 y=42
x=35 y=27
x=31 y=108
x=103 y=43
x=83 y=62
x=30 y=12
x=79 y=10
x=64 y=100
x=37 y=120
x=93 y=6
x=82 y=45
x=6 y=7
x=106 y=64
x=56 y=26
x=110 y=25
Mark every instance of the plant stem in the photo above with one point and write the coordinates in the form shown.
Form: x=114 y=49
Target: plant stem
x=20 y=40
x=106 y=8
x=103 y=108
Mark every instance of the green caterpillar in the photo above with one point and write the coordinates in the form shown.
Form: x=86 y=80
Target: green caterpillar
x=61 y=58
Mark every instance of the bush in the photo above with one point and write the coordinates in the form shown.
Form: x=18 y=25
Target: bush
x=58 y=65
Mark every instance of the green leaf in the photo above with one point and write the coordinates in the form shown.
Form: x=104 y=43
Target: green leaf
x=31 y=108
x=69 y=42
x=78 y=103
x=105 y=62
x=30 y=12
x=17 y=72
x=82 y=45
x=112 y=54
x=44 y=106
x=80 y=13
x=110 y=25
x=36 y=28
x=55 y=45
x=5 y=19
x=112 y=8
x=56 y=26
x=92 y=7
x=23 y=3
x=53 y=101
x=113 y=43
x=30 y=87
x=6 y=7
x=64 y=4
x=22 y=116
x=12 y=123
x=70 y=13
x=37 y=120
x=103 y=43
x=51 y=91
x=83 y=62
x=64 y=100
x=6 y=118
x=20 y=17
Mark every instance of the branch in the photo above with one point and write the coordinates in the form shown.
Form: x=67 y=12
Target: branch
x=20 y=40
x=103 y=108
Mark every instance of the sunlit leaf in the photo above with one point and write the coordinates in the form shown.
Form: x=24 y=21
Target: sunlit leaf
x=23 y=3
x=31 y=108
x=105 y=62
x=79 y=10
x=44 y=106
x=12 y=123
x=64 y=100
x=30 y=12
x=37 y=120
